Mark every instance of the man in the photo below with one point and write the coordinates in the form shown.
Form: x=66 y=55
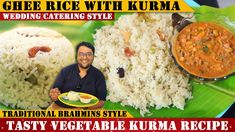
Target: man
x=81 y=77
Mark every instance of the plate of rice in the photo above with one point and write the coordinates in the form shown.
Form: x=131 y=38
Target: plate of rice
x=78 y=99
x=137 y=46
x=30 y=59
x=133 y=53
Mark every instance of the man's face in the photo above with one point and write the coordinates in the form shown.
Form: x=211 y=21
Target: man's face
x=85 y=57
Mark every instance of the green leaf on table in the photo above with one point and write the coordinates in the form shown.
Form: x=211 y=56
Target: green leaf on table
x=224 y=16
x=4 y=107
x=209 y=99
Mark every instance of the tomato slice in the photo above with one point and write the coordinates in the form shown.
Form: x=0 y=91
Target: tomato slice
x=128 y=52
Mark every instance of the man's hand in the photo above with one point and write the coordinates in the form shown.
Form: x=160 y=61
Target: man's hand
x=54 y=93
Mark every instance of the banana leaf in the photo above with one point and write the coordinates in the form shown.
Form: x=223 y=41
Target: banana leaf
x=209 y=98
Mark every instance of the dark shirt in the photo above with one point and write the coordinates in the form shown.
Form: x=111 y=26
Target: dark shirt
x=69 y=80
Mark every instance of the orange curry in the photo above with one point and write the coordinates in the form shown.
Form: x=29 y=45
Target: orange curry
x=85 y=96
x=205 y=50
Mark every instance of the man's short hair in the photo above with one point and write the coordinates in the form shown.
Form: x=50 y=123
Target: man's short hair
x=87 y=44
